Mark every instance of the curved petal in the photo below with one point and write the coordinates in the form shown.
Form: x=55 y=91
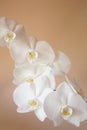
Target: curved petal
x=57 y=120
x=64 y=91
x=44 y=94
x=32 y=42
x=40 y=114
x=61 y=65
x=24 y=109
x=52 y=108
x=22 y=94
x=44 y=81
x=51 y=79
x=41 y=83
x=75 y=120
x=52 y=105
x=45 y=52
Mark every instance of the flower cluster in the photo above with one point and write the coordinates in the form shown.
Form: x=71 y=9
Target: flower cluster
x=36 y=68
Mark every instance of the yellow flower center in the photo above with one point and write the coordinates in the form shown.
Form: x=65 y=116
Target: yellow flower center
x=9 y=36
x=30 y=81
x=33 y=104
x=32 y=56
x=66 y=111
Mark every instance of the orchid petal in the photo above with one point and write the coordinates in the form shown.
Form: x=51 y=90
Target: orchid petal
x=64 y=91
x=51 y=78
x=45 y=52
x=41 y=83
x=45 y=93
x=75 y=120
x=40 y=114
x=24 y=109
x=61 y=65
x=32 y=42
x=51 y=105
x=52 y=108
x=22 y=94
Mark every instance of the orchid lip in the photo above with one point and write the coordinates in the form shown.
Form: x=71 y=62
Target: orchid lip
x=32 y=56
x=9 y=36
x=66 y=112
x=34 y=104
x=30 y=81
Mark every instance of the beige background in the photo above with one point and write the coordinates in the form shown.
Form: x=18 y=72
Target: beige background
x=63 y=23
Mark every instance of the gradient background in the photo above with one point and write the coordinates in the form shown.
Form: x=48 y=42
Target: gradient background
x=63 y=23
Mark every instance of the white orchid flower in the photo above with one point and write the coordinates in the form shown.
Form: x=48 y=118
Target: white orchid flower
x=37 y=52
x=61 y=64
x=26 y=100
x=8 y=29
x=13 y=36
x=35 y=76
x=65 y=104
